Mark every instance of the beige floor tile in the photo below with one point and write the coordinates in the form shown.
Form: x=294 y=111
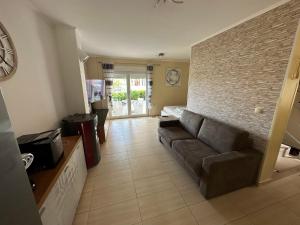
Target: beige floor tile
x=192 y=195
x=164 y=155
x=106 y=172
x=182 y=180
x=141 y=153
x=178 y=217
x=173 y=166
x=126 y=213
x=147 y=166
x=293 y=204
x=112 y=195
x=295 y=179
x=146 y=144
x=160 y=203
x=105 y=168
x=88 y=187
x=109 y=170
x=115 y=165
x=276 y=214
x=114 y=157
x=216 y=211
x=107 y=181
x=84 y=203
x=147 y=171
x=145 y=160
x=150 y=185
x=252 y=199
x=243 y=221
x=113 y=149
x=282 y=188
x=81 y=219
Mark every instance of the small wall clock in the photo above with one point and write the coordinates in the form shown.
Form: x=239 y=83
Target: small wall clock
x=173 y=77
x=8 y=55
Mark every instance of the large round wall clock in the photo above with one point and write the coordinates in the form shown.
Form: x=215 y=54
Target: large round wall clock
x=173 y=77
x=8 y=55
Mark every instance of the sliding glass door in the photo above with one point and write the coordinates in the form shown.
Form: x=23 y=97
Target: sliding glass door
x=129 y=95
x=120 y=96
x=138 y=90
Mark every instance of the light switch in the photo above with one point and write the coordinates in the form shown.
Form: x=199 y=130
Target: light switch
x=259 y=110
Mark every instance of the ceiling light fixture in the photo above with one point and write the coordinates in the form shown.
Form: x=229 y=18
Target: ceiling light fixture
x=158 y=2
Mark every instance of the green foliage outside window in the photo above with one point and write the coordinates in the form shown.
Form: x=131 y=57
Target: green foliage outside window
x=135 y=95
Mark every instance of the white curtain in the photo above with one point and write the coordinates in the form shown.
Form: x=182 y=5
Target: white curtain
x=108 y=70
x=149 y=84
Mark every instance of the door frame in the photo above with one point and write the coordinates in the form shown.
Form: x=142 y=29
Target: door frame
x=127 y=75
x=282 y=113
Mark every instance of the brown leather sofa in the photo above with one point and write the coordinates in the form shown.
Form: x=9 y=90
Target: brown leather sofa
x=220 y=158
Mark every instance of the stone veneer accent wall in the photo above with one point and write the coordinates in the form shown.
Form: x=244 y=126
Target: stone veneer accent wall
x=244 y=67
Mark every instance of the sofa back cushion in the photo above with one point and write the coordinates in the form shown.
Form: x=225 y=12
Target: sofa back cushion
x=223 y=138
x=191 y=122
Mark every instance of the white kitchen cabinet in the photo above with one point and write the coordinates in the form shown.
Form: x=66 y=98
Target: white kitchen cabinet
x=59 y=207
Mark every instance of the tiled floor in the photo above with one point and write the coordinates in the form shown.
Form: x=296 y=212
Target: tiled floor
x=286 y=163
x=139 y=183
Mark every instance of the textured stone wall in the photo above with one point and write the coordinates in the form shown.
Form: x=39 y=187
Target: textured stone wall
x=244 y=67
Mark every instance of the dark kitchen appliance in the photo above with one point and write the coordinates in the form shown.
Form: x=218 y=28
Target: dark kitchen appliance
x=101 y=111
x=17 y=203
x=86 y=126
x=46 y=148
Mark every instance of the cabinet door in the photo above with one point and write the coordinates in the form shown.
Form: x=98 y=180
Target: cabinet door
x=76 y=181
x=69 y=204
x=82 y=165
x=61 y=203
x=48 y=214
x=68 y=211
x=80 y=171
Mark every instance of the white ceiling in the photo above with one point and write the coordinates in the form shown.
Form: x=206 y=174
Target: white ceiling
x=134 y=28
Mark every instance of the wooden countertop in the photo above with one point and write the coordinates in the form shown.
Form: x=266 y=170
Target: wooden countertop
x=46 y=179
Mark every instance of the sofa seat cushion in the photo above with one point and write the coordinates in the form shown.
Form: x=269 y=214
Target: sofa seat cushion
x=192 y=152
x=194 y=161
x=171 y=134
x=222 y=137
x=191 y=122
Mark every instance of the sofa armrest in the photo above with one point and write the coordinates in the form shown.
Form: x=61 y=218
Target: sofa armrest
x=169 y=123
x=229 y=171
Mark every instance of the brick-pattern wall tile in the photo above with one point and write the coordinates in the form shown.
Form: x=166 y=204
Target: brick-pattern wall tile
x=244 y=67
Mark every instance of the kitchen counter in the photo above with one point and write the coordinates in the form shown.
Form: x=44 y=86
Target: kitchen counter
x=45 y=179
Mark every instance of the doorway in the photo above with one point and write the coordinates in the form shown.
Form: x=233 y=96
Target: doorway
x=284 y=108
x=129 y=93
x=288 y=160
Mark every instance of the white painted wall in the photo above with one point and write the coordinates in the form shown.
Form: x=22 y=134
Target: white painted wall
x=34 y=95
x=84 y=90
x=72 y=73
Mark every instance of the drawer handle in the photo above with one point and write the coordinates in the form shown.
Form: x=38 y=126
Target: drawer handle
x=42 y=210
x=66 y=169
